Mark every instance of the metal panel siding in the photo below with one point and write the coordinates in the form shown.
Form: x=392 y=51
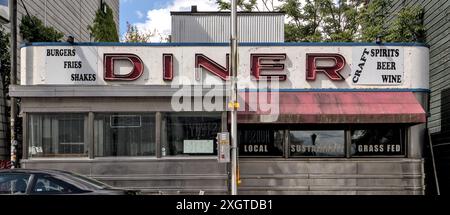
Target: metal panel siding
x=437 y=25
x=438 y=37
x=71 y=17
x=216 y=28
x=436 y=21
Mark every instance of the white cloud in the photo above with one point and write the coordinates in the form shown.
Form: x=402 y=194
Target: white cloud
x=159 y=20
x=139 y=14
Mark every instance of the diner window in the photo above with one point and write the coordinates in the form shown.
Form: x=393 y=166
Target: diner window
x=320 y=143
x=254 y=141
x=378 y=141
x=57 y=135
x=190 y=133
x=124 y=134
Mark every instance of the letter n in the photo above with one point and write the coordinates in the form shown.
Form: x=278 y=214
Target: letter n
x=201 y=61
x=330 y=64
x=109 y=61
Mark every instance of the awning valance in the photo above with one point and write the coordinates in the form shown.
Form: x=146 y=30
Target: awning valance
x=331 y=107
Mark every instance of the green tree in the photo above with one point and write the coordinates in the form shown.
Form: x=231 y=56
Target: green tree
x=343 y=20
x=249 y=5
x=5 y=70
x=4 y=58
x=133 y=35
x=33 y=30
x=373 y=18
x=407 y=26
x=340 y=20
x=104 y=28
x=304 y=22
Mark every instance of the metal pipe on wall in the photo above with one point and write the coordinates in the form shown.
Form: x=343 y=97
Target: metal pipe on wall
x=233 y=104
x=13 y=20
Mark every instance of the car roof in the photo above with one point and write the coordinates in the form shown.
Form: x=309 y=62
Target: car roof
x=34 y=171
x=74 y=177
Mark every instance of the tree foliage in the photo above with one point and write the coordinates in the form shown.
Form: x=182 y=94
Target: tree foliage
x=304 y=21
x=408 y=26
x=373 y=19
x=5 y=68
x=342 y=20
x=248 y=5
x=33 y=30
x=133 y=35
x=4 y=57
x=104 y=28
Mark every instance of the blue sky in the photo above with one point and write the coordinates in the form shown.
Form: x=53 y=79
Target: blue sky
x=153 y=16
x=135 y=11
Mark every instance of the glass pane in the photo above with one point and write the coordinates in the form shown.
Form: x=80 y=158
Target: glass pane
x=48 y=185
x=13 y=183
x=317 y=143
x=373 y=142
x=190 y=133
x=57 y=135
x=260 y=142
x=124 y=134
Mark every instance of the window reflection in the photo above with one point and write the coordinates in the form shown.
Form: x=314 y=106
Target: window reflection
x=380 y=141
x=190 y=133
x=260 y=142
x=317 y=143
x=57 y=135
x=124 y=134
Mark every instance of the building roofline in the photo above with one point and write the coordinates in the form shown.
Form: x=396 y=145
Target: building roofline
x=223 y=13
x=221 y=44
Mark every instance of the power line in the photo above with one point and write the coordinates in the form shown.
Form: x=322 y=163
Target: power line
x=28 y=14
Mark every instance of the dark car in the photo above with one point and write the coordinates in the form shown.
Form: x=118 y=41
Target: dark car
x=54 y=182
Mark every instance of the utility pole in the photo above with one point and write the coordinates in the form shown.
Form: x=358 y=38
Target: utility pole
x=13 y=22
x=234 y=105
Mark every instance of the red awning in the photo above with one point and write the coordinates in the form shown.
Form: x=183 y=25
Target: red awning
x=333 y=107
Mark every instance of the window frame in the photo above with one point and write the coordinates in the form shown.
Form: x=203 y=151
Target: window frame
x=404 y=141
x=404 y=129
x=52 y=116
x=164 y=144
x=37 y=176
x=90 y=146
x=266 y=127
x=344 y=155
x=122 y=114
x=28 y=183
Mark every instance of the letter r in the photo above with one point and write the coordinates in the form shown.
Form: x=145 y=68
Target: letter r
x=330 y=64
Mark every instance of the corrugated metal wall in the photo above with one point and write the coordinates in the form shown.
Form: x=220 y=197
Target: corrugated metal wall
x=437 y=24
x=71 y=17
x=216 y=28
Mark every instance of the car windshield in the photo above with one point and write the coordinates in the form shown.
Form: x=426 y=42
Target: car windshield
x=91 y=181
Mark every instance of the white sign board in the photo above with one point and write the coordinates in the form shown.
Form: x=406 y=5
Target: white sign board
x=198 y=146
x=72 y=66
x=378 y=65
x=297 y=67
